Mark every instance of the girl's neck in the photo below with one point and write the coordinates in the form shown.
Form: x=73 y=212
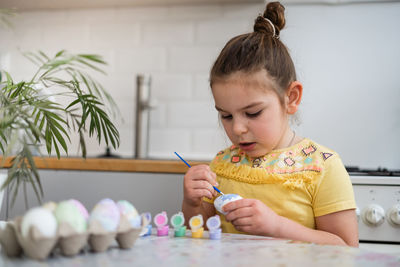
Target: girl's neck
x=288 y=139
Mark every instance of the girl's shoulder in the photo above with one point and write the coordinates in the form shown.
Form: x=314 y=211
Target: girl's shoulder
x=306 y=160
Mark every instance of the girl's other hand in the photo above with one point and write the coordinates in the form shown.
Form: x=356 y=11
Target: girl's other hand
x=252 y=216
x=198 y=183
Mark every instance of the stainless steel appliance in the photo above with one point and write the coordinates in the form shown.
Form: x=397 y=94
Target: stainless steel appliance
x=377 y=194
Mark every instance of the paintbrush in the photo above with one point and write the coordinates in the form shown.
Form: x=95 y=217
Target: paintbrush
x=184 y=161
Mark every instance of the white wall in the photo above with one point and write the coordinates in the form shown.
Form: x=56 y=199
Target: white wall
x=347 y=56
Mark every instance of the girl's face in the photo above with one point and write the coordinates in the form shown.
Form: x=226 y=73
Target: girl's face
x=251 y=113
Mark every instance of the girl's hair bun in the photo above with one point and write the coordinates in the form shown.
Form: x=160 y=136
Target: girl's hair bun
x=274 y=15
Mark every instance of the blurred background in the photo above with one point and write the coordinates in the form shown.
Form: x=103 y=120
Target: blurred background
x=346 y=54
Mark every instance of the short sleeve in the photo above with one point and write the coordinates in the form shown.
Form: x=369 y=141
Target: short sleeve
x=334 y=191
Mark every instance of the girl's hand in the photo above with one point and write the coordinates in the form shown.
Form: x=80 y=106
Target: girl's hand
x=198 y=183
x=253 y=217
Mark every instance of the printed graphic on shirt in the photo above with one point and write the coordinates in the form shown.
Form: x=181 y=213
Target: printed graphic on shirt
x=297 y=164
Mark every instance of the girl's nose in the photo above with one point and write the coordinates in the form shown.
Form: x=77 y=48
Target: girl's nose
x=239 y=126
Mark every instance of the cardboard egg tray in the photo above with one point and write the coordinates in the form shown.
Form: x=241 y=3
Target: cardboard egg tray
x=67 y=241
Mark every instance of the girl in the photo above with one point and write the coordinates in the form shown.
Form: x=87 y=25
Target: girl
x=291 y=186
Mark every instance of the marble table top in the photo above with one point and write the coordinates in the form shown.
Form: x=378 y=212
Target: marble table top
x=231 y=250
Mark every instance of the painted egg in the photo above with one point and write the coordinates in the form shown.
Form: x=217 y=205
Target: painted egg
x=68 y=212
x=43 y=219
x=81 y=208
x=106 y=201
x=106 y=212
x=223 y=200
x=51 y=206
x=127 y=209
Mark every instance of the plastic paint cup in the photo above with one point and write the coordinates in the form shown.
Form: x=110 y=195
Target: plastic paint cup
x=213 y=222
x=177 y=220
x=161 y=220
x=215 y=234
x=179 y=232
x=147 y=216
x=163 y=231
x=198 y=233
x=196 y=222
x=146 y=219
x=148 y=230
x=196 y=225
x=213 y=225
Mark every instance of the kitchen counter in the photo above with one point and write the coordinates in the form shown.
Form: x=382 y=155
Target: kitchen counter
x=111 y=164
x=231 y=250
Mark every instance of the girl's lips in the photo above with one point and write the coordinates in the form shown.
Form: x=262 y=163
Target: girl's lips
x=247 y=146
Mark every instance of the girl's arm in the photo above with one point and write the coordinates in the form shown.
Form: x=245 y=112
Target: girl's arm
x=343 y=224
x=339 y=228
x=254 y=217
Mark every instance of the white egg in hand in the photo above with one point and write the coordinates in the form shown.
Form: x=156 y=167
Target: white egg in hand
x=223 y=200
x=43 y=219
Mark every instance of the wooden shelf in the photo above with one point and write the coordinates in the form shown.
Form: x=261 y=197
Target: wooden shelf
x=115 y=165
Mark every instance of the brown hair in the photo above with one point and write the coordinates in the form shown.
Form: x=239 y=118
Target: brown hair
x=259 y=50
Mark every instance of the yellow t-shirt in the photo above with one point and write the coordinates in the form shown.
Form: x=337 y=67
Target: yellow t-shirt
x=300 y=182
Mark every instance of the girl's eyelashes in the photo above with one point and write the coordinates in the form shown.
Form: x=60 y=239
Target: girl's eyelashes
x=253 y=115
x=249 y=115
x=226 y=117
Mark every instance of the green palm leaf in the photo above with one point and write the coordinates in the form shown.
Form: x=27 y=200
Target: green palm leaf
x=30 y=119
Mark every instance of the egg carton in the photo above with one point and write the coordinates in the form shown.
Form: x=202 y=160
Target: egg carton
x=66 y=240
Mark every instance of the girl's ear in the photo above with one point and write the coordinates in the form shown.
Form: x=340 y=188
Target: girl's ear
x=293 y=97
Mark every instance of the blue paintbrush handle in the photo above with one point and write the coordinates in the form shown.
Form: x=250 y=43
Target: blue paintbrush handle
x=182 y=159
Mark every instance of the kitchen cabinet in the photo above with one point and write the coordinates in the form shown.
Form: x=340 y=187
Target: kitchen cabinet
x=148 y=192
x=150 y=185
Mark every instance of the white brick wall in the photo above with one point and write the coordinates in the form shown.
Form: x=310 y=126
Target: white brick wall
x=177 y=45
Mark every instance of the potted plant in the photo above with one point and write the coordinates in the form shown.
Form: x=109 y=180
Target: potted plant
x=5 y=14
x=31 y=120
